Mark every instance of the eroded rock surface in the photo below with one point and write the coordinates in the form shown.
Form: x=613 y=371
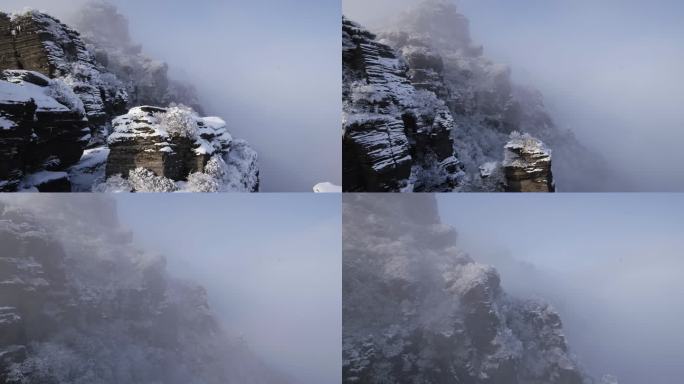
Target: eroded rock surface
x=175 y=143
x=37 y=42
x=527 y=165
x=395 y=137
x=45 y=129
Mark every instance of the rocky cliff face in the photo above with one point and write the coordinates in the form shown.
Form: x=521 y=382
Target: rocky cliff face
x=527 y=165
x=45 y=131
x=80 y=304
x=416 y=309
x=433 y=40
x=77 y=92
x=395 y=137
x=38 y=42
x=176 y=144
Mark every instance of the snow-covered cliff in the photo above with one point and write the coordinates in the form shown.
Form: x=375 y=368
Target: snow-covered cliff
x=395 y=137
x=86 y=83
x=416 y=309
x=438 y=60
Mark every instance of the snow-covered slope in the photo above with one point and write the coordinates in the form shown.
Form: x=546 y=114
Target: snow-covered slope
x=418 y=310
x=80 y=304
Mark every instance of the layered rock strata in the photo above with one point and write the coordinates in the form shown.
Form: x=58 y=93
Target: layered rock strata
x=38 y=42
x=175 y=143
x=45 y=129
x=395 y=137
x=527 y=165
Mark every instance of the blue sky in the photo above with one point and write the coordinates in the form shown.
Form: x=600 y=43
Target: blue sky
x=270 y=68
x=271 y=264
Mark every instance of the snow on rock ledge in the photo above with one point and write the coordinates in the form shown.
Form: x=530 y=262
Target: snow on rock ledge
x=39 y=42
x=527 y=165
x=194 y=153
x=327 y=187
x=395 y=137
x=44 y=129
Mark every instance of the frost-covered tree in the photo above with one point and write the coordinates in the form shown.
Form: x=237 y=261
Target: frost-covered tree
x=179 y=121
x=144 y=180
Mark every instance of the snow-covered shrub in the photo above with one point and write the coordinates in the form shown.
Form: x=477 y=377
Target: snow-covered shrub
x=201 y=182
x=144 y=180
x=59 y=90
x=179 y=121
x=114 y=184
x=212 y=179
x=216 y=167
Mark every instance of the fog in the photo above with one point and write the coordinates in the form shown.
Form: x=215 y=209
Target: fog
x=271 y=265
x=610 y=264
x=610 y=71
x=270 y=68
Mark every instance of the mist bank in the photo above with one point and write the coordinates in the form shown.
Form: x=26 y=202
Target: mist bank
x=617 y=87
x=258 y=272
x=615 y=282
x=170 y=289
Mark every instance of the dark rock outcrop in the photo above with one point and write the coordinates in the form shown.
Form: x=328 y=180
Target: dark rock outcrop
x=175 y=143
x=43 y=134
x=417 y=310
x=17 y=116
x=38 y=42
x=138 y=140
x=395 y=137
x=527 y=165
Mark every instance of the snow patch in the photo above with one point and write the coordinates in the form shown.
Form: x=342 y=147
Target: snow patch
x=327 y=187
